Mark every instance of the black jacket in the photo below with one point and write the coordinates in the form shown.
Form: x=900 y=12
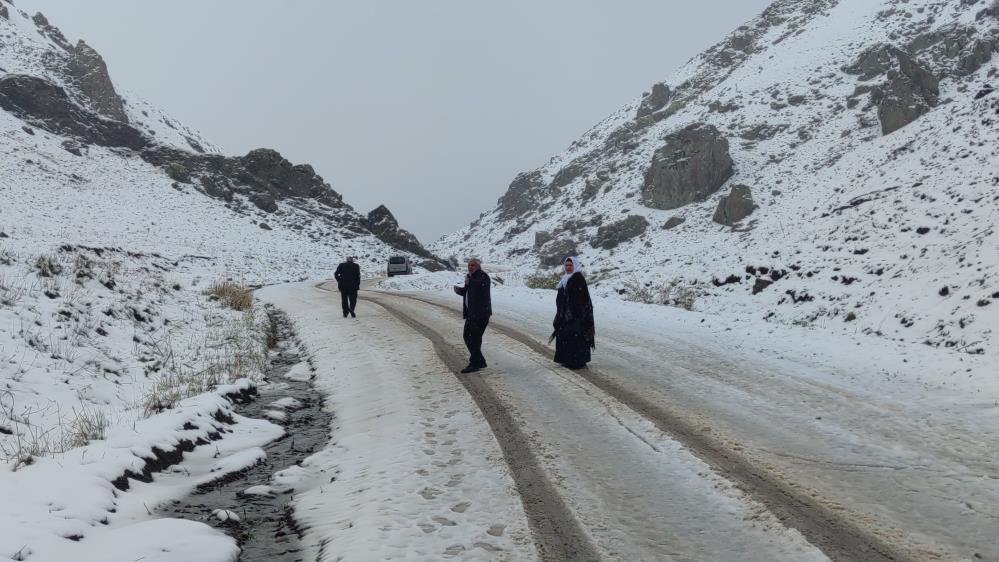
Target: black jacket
x=348 y=276
x=478 y=304
x=574 y=309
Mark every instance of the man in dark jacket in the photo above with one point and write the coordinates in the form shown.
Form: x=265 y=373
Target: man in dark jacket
x=476 y=309
x=348 y=280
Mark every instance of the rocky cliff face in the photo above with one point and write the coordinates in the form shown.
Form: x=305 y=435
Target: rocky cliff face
x=844 y=144
x=65 y=90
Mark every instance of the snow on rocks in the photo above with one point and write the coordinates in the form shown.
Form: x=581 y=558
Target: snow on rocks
x=891 y=236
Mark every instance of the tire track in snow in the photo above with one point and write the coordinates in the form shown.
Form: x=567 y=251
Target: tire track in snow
x=557 y=533
x=839 y=538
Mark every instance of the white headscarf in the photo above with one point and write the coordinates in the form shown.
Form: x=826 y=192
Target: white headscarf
x=577 y=267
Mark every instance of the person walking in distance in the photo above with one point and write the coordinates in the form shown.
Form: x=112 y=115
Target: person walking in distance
x=476 y=310
x=574 y=333
x=348 y=280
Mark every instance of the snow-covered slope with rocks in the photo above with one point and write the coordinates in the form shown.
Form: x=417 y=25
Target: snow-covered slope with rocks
x=83 y=164
x=117 y=356
x=831 y=162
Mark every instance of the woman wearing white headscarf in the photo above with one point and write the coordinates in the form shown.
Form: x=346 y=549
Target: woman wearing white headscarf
x=574 y=330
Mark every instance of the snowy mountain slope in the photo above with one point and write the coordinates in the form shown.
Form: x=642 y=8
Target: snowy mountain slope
x=103 y=169
x=830 y=162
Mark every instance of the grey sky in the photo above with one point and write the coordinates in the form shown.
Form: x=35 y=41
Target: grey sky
x=430 y=107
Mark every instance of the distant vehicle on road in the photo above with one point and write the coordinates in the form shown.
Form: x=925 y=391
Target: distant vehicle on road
x=399 y=265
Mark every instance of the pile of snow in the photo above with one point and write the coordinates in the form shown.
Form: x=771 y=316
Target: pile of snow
x=854 y=231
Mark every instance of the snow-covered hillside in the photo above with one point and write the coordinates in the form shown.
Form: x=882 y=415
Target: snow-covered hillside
x=83 y=164
x=118 y=225
x=831 y=162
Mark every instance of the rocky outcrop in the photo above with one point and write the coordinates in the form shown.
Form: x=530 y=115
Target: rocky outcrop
x=47 y=106
x=735 y=206
x=263 y=175
x=909 y=90
x=612 y=235
x=383 y=224
x=693 y=164
x=521 y=196
x=88 y=74
x=655 y=100
x=84 y=72
x=554 y=252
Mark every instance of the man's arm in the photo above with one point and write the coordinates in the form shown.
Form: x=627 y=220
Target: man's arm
x=338 y=273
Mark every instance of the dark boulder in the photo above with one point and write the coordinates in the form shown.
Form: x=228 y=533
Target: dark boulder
x=554 y=252
x=735 y=206
x=541 y=238
x=612 y=235
x=567 y=175
x=693 y=164
x=909 y=90
x=654 y=101
x=265 y=202
x=47 y=106
x=673 y=222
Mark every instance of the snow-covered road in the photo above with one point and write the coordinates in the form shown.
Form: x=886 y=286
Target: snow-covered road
x=898 y=467
x=670 y=447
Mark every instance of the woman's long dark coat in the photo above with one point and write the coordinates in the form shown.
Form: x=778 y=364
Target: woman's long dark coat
x=574 y=329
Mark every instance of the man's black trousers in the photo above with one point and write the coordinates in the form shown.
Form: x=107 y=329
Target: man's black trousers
x=348 y=299
x=474 y=328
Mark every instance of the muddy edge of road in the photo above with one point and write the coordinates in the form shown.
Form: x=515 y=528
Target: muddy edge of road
x=838 y=538
x=556 y=532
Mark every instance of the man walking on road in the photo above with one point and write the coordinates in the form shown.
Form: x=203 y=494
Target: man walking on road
x=476 y=309
x=348 y=280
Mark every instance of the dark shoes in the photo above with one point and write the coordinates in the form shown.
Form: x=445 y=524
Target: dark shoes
x=345 y=313
x=352 y=315
x=473 y=368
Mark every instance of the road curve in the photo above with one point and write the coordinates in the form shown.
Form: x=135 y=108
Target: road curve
x=582 y=447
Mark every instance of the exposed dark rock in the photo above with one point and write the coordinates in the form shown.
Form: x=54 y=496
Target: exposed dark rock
x=264 y=202
x=262 y=171
x=990 y=12
x=567 y=175
x=178 y=172
x=693 y=164
x=521 y=197
x=909 y=92
x=656 y=100
x=4 y=13
x=50 y=31
x=554 y=252
x=88 y=74
x=541 y=238
x=73 y=147
x=47 y=106
x=674 y=222
x=735 y=206
x=612 y=235
x=28 y=130
x=763 y=131
x=265 y=226
x=386 y=228
x=592 y=187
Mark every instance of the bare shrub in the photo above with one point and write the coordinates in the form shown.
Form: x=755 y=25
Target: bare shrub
x=542 y=280
x=11 y=291
x=48 y=266
x=229 y=350
x=231 y=294
x=87 y=425
x=670 y=293
x=6 y=256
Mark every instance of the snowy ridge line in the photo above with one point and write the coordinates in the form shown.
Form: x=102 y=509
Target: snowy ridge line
x=837 y=537
x=556 y=532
